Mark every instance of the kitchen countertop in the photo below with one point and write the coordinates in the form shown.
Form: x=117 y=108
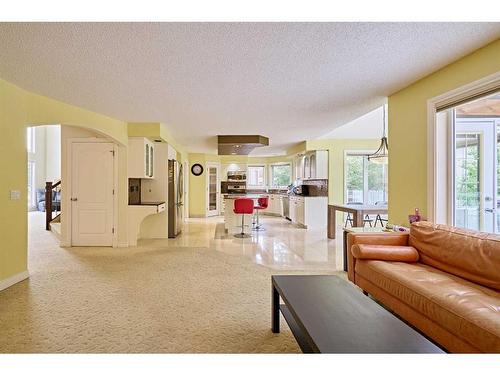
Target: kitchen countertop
x=259 y=195
x=308 y=196
x=147 y=204
x=252 y=196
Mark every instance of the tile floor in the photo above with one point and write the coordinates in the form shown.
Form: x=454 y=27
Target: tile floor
x=282 y=246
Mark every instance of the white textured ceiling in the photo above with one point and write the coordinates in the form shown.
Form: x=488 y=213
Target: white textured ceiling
x=286 y=81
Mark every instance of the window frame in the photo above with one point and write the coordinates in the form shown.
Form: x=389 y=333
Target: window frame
x=31 y=188
x=364 y=154
x=31 y=136
x=264 y=179
x=271 y=176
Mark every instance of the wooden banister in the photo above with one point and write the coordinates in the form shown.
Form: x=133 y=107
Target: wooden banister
x=50 y=188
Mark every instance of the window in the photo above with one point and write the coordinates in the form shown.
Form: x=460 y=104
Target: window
x=365 y=181
x=30 y=139
x=255 y=176
x=281 y=175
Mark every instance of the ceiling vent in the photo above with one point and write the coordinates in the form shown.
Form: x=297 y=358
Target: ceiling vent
x=240 y=144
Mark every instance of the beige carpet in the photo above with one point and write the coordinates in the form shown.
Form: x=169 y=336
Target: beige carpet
x=172 y=300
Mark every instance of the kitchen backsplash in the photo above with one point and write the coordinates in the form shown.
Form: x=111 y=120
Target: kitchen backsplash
x=317 y=188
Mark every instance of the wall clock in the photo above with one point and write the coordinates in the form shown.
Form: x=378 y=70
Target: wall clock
x=197 y=169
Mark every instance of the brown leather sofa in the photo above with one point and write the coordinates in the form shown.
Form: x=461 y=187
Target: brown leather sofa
x=442 y=280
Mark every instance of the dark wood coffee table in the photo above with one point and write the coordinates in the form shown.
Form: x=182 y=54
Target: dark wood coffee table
x=329 y=315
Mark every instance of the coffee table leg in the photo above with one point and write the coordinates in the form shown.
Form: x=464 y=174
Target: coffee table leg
x=275 y=311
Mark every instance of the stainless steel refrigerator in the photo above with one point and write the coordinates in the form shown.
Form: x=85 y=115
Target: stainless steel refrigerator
x=175 y=198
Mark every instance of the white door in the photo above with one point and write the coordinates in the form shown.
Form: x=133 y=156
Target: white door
x=92 y=184
x=475 y=175
x=212 y=190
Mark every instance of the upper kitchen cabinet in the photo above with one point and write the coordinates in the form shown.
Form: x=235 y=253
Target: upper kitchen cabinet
x=140 y=158
x=317 y=165
x=312 y=165
x=299 y=167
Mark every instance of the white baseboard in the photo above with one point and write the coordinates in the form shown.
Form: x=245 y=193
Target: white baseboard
x=5 y=283
x=122 y=244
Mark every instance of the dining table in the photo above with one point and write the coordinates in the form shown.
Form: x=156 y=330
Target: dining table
x=358 y=212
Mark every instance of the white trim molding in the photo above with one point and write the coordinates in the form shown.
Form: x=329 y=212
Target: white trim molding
x=18 y=277
x=470 y=90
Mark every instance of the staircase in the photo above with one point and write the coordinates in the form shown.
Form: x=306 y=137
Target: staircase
x=53 y=207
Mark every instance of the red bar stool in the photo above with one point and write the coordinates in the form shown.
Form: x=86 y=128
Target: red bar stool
x=243 y=206
x=262 y=204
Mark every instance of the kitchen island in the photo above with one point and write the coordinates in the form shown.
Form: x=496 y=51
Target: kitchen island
x=232 y=221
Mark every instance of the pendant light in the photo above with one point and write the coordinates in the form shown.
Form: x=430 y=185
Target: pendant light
x=381 y=156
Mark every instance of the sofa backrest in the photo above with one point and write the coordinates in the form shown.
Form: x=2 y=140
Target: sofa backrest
x=472 y=255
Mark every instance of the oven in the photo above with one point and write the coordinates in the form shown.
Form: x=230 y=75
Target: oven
x=236 y=188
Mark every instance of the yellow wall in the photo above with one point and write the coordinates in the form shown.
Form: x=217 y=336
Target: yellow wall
x=197 y=187
x=19 y=108
x=297 y=148
x=408 y=128
x=13 y=220
x=144 y=129
x=46 y=111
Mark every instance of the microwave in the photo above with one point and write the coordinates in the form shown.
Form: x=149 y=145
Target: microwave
x=236 y=176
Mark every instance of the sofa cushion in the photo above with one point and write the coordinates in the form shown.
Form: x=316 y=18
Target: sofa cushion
x=470 y=311
x=384 y=252
x=471 y=255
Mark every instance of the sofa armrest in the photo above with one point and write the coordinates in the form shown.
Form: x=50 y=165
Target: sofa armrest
x=388 y=239
x=384 y=252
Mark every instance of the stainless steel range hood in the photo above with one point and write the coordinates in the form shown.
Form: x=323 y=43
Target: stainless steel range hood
x=240 y=144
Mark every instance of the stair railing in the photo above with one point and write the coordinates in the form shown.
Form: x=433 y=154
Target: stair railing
x=52 y=201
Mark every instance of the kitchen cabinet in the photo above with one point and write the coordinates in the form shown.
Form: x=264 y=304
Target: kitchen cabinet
x=297 y=210
x=307 y=167
x=316 y=165
x=319 y=164
x=312 y=165
x=300 y=210
x=140 y=158
x=275 y=205
x=299 y=167
x=309 y=212
x=292 y=209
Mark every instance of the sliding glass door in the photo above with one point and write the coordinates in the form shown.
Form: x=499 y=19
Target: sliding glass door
x=476 y=173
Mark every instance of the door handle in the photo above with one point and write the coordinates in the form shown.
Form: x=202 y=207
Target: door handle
x=74 y=199
x=492 y=210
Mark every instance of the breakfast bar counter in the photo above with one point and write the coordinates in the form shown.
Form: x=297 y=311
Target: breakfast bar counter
x=232 y=221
